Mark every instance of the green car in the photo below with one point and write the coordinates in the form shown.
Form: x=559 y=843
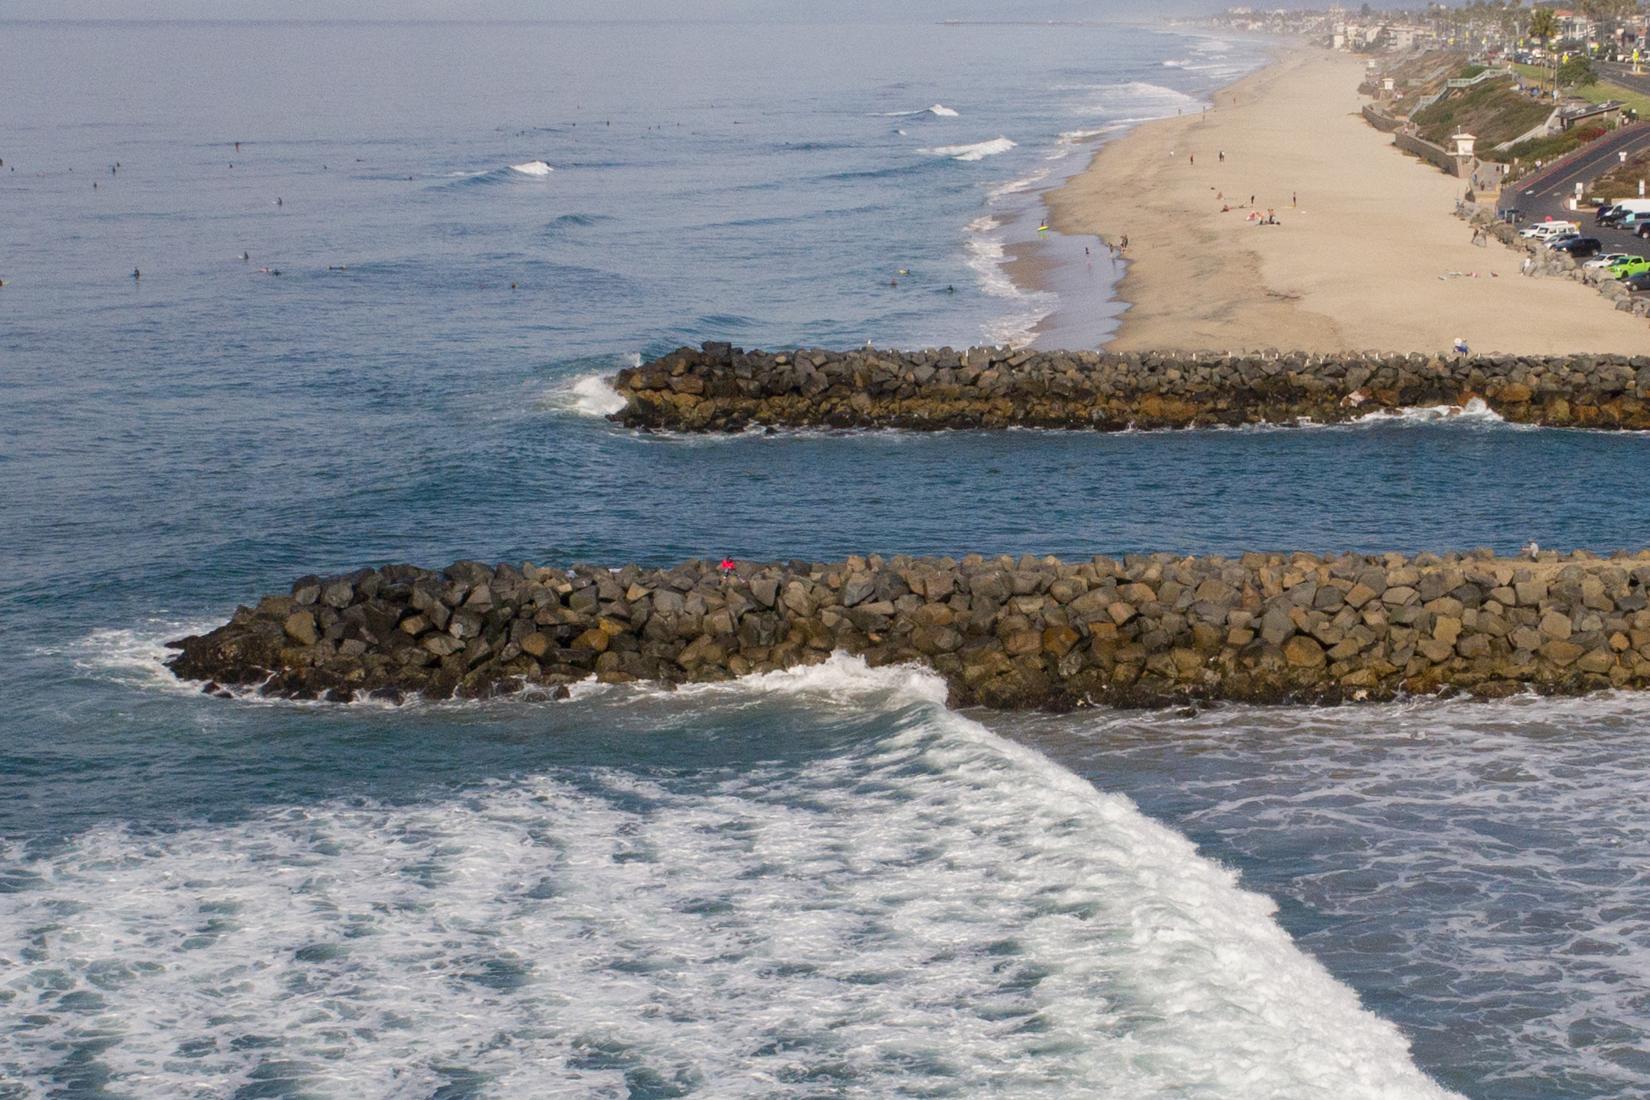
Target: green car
x=1632 y=265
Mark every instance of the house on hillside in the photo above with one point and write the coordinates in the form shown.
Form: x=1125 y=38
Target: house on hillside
x=1573 y=24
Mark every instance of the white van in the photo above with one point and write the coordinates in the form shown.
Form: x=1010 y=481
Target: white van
x=1550 y=231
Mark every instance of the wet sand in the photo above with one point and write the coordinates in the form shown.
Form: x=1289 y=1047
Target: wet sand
x=1371 y=257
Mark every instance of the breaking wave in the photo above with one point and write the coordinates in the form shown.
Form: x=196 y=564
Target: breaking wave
x=938 y=110
x=901 y=902
x=977 y=151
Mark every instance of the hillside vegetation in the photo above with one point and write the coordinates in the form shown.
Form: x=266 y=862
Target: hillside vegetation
x=1494 y=111
x=1622 y=181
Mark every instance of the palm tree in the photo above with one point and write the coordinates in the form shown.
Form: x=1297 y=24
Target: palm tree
x=1543 y=25
x=1544 y=28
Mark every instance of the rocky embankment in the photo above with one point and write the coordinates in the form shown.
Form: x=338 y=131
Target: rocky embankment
x=1026 y=633
x=721 y=388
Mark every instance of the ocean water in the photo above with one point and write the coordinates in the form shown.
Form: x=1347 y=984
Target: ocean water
x=813 y=884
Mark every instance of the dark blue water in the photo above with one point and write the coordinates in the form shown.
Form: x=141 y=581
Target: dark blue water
x=822 y=885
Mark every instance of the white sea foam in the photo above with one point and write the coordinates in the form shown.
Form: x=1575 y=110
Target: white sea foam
x=589 y=395
x=1017 y=186
x=1134 y=101
x=532 y=168
x=977 y=151
x=938 y=110
x=1475 y=411
x=1074 y=137
x=934 y=910
x=986 y=257
x=137 y=656
x=1475 y=855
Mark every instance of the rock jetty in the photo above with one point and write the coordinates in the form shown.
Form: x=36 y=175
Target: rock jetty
x=1008 y=633
x=720 y=388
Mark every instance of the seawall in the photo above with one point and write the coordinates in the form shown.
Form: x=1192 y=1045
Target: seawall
x=722 y=388
x=1028 y=633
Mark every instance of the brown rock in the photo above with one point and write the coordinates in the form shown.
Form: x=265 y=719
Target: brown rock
x=1600 y=660
x=300 y=627
x=595 y=639
x=1022 y=642
x=1303 y=652
x=1434 y=650
x=1059 y=640
x=1555 y=625
x=1561 y=653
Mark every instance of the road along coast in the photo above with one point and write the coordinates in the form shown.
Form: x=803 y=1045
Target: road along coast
x=1035 y=633
x=722 y=388
x=1368 y=252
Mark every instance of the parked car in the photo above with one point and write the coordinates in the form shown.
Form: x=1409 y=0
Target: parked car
x=1639 y=208
x=1609 y=259
x=1579 y=247
x=1632 y=265
x=1546 y=231
x=1639 y=282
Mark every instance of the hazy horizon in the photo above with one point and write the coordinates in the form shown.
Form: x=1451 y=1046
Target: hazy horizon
x=558 y=10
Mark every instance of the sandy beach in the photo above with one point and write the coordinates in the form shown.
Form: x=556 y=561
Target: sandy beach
x=1368 y=255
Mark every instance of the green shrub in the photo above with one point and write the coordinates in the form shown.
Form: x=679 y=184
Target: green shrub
x=1547 y=148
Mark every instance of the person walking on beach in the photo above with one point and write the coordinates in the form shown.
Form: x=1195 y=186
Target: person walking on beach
x=1293 y=199
x=1222 y=155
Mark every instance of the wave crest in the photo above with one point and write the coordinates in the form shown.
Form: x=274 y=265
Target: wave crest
x=977 y=151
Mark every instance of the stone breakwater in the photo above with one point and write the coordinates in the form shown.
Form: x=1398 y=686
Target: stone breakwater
x=720 y=388
x=1006 y=633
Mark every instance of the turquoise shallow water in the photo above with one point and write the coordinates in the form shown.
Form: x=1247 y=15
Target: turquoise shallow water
x=821 y=885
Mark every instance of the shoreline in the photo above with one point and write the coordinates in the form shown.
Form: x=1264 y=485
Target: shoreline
x=1372 y=255
x=1034 y=265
